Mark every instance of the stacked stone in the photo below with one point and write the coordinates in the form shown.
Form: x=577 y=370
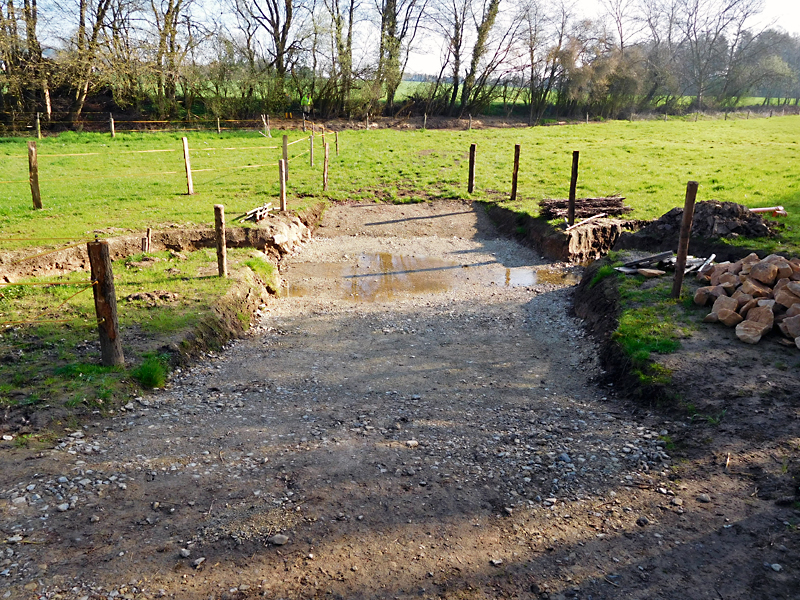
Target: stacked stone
x=753 y=295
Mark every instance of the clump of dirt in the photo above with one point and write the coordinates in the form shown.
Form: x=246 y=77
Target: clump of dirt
x=713 y=221
x=580 y=245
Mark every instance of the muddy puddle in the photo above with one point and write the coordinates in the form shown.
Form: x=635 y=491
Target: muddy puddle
x=383 y=276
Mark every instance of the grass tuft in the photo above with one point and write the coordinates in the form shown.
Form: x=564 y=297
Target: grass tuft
x=152 y=373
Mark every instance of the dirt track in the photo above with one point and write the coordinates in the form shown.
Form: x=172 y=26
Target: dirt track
x=419 y=419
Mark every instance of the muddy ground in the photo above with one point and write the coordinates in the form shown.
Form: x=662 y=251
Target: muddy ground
x=420 y=416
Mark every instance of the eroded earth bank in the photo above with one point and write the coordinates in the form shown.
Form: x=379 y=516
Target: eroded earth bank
x=418 y=417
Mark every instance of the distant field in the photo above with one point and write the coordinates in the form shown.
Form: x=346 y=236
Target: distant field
x=92 y=182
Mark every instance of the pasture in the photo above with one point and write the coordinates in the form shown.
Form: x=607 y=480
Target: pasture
x=92 y=182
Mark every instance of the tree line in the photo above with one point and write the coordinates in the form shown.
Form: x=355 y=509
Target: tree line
x=178 y=58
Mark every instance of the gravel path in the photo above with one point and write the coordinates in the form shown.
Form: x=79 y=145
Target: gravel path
x=430 y=433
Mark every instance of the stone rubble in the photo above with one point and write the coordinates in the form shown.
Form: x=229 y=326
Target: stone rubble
x=754 y=295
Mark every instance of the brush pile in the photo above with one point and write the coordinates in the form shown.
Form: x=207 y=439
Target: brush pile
x=753 y=295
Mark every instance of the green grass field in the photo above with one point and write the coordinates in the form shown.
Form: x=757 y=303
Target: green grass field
x=92 y=182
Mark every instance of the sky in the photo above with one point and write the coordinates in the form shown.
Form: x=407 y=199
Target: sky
x=780 y=14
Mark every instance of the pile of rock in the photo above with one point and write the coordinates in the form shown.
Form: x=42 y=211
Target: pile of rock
x=754 y=295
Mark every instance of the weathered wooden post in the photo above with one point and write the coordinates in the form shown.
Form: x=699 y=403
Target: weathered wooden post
x=471 y=181
x=105 y=304
x=304 y=122
x=311 y=150
x=189 y=184
x=111 y=127
x=146 y=241
x=469 y=127
x=425 y=121
x=38 y=126
x=367 y=121
x=282 y=179
x=573 y=184
x=515 y=173
x=285 y=158
x=683 y=242
x=33 y=175
x=337 y=143
x=325 y=169
x=219 y=129
x=222 y=250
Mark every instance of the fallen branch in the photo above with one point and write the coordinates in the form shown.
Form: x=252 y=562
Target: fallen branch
x=592 y=218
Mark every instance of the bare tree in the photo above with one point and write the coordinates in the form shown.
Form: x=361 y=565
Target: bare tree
x=399 y=23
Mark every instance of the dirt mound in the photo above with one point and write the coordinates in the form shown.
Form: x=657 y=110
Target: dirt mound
x=713 y=221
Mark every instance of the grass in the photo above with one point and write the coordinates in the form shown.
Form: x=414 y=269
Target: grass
x=152 y=373
x=650 y=323
x=752 y=162
x=56 y=363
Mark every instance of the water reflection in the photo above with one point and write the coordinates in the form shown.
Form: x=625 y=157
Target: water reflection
x=384 y=276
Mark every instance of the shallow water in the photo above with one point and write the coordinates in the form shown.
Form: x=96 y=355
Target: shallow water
x=383 y=276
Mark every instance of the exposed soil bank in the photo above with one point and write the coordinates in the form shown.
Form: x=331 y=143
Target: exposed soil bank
x=276 y=235
x=580 y=245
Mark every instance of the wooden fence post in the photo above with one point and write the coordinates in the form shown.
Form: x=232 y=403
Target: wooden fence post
x=111 y=127
x=325 y=169
x=219 y=129
x=38 y=126
x=33 y=175
x=311 y=150
x=425 y=121
x=282 y=179
x=683 y=242
x=189 y=184
x=515 y=173
x=285 y=158
x=146 y=241
x=222 y=250
x=337 y=143
x=573 y=184
x=304 y=122
x=367 y=121
x=469 y=127
x=471 y=181
x=105 y=304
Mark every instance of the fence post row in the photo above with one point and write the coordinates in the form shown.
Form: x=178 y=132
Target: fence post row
x=683 y=241
x=573 y=184
x=33 y=175
x=189 y=184
x=105 y=304
x=471 y=181
x=282 y=180
x=515 y=173
x=222 y=250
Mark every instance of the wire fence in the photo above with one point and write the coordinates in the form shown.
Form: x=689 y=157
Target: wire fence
x=41 y=171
